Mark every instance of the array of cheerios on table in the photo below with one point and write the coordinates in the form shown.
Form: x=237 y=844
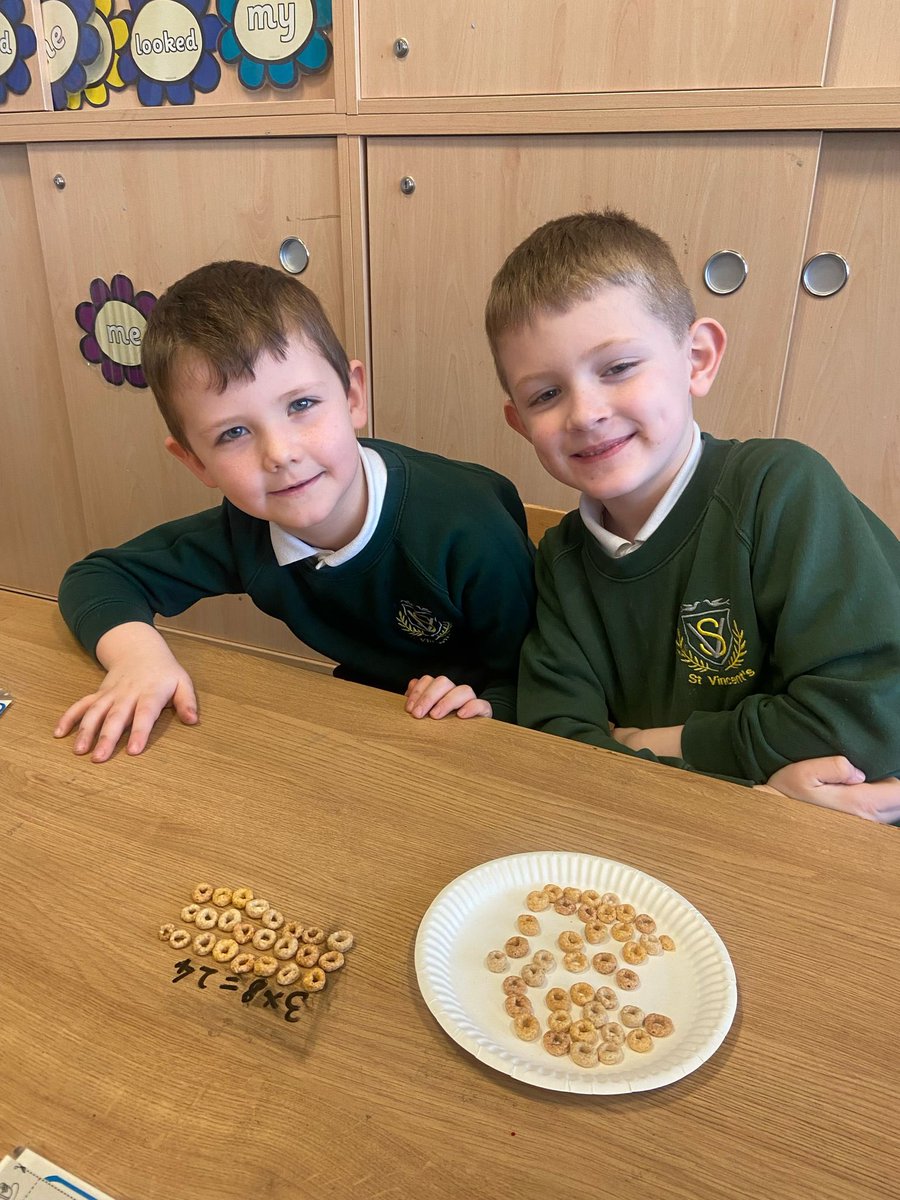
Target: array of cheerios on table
x=588 y=1024
x=234 y=926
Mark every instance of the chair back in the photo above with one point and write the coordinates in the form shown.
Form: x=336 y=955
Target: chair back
x=540 y=519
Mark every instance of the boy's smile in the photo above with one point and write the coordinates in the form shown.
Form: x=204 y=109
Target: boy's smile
x=281 y=446
x=603 y=392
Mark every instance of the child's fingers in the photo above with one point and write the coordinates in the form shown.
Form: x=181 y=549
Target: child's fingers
x=73 y=714
x=426 y=693
x=451 y=701
x=475 y=708
x=184 y=701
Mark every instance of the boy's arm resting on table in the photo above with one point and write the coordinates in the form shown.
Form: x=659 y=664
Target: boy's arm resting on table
x=143 y=676
x=826 y=579
x=109 y=600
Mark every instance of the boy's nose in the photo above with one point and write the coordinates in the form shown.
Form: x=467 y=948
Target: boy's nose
x=586 y=407
x=277 y=453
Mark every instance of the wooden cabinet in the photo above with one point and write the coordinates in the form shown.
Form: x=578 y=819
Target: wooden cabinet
x=41 y=525
x=840 y=392
x=434 y=252
x=151 y=212
x=457 y=48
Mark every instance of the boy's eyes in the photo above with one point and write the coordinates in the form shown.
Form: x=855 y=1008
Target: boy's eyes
x=232 y=435
x=301 y=404
x=620 y=368
x=544 y=396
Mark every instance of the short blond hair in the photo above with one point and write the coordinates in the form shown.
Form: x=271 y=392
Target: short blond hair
x=567 y=260
x=227 y=314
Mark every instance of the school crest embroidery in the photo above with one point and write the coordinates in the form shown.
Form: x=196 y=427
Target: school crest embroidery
x=422 y=624
x=708 y=638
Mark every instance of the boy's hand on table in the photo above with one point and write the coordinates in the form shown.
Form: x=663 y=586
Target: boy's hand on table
x=835 y=783
x=143 y=676
x=438 y=696
x=664 y=742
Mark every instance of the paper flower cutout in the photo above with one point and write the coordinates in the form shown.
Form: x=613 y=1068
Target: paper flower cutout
x=171 y=52
x=71 y=43
x=114 y=321
x=103 y=73
x=17 y=42
x=275 y=41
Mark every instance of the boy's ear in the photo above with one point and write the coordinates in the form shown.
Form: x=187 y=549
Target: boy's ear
x=190 y=460
x=707 y=346
x=356 y=395
x=514 y=421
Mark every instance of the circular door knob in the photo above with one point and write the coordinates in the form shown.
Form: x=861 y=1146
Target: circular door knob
x=725 y=272
x=293 y=256
x=825 y=274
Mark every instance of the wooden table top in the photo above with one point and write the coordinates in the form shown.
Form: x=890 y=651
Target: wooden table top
x=327 y=799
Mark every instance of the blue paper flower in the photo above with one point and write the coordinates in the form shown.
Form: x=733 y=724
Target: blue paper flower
x=269 y=43
x=21 y=43
x=72 y=45
x=171 y=52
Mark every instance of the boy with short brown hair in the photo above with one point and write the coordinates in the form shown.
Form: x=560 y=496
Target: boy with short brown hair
x=696 y=607
x=412 y=571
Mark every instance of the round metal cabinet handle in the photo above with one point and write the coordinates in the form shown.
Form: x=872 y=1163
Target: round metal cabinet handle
x=407 y=185
x=401 y=48
x=293 y=256
x=725 y=272
x=825 y=274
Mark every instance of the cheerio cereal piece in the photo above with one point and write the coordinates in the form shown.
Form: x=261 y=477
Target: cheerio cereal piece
x=606 y=913
x=229 y=919
x=594 y=1012
x=528 y=924
x=559 y=1021
x=331 y=960
x=533 y=975
x=341 y=939
x=631 y=1016
x=627 y=979
x=644 y=923
x=243 y=932
x=610 y=898
x=565 y=908
x=639 y=1040
x=554 y=891
x=570 y=940
x=307 y=956
x=514 y=985
x=587 y=912
x=189 y=912
x=202 y=893
x=287 y=974
x=558 y=998
x=651 y=943
x=265 y=966
x=622 y=933
x=589 y=896
x=313 y=980
x=608 y=998
x=285 y=947
x=272 y=918
x=206 y=918
x=584 y=1030
x=516 y=1005
x=204 y=943
x=221 y=897
x=537 y=901
x=658 y=1025
x=609 y=1054
x=575 y=961
x=527 y=1027
x=572 y=894
x=179 y=939
x=583 y=1054
x=634 y=953
x=516 y=947
x=264 y=939
x=166 y=931
x=314 y=935
x=256 y=907
x=241 y=896
x=556 y=1043
x=666 y=942
x=225 y=950
x=545 y=960
x=581 y=993
x=495 y=961
x=243 y=964
x=626 y=913
x=595 y=932
x=605 y=963
x=612 y=1032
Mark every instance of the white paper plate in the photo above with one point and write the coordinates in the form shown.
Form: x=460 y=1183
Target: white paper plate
x=694 y=985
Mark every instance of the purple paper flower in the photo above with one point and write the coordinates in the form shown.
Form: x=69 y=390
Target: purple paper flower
x=114 y=320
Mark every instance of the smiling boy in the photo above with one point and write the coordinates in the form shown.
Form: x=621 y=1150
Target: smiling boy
x=722 y=606
x=412 y=571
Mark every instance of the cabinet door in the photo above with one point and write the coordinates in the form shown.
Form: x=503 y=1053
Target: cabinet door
x=435 y=251
x=457 y=48
x=41 y=523
x=840 y=392
x=152 y=212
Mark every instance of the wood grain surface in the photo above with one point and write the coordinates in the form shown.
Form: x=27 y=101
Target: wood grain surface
x=328 y=800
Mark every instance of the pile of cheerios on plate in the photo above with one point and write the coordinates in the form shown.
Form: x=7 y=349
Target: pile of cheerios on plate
x=588 y=1024
x=235 y=927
